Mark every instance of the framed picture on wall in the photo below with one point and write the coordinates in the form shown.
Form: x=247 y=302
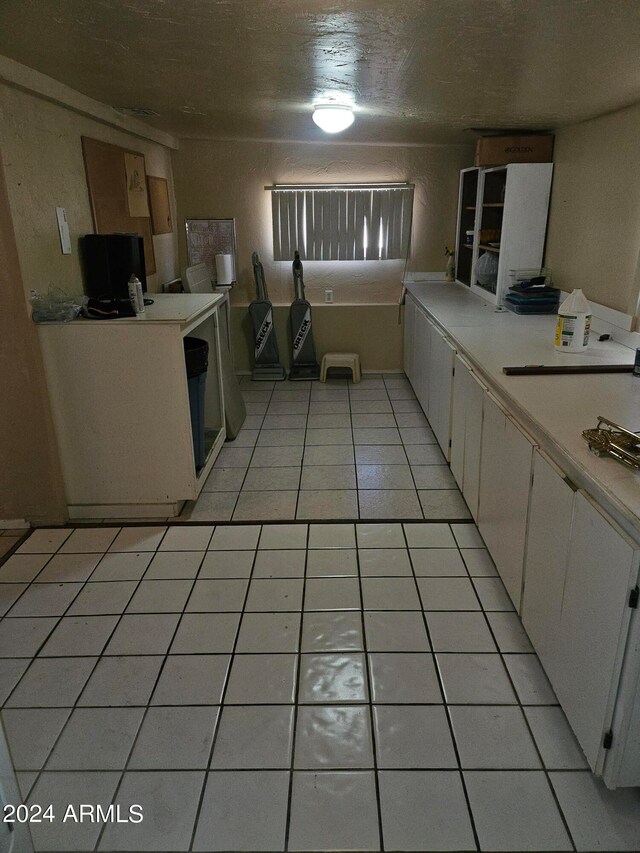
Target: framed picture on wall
x=207 y=238
x=160 y=207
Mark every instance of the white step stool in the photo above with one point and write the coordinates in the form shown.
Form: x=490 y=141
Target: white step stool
x=350 y=360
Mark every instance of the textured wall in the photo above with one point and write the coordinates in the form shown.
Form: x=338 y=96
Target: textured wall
x=42 y=155
x=594 y=222
x=30 y=478
x=372 y=331
x=220 y=179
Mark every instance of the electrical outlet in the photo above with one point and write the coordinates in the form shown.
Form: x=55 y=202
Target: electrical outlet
x=328 y=296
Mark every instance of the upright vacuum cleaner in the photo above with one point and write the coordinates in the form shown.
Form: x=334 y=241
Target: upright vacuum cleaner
x=303 y=352
x=267 y=358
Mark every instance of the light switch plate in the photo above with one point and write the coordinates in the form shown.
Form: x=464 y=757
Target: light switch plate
x=63 y=228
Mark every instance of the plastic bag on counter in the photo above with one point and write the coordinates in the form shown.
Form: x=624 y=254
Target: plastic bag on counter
x=487 y=269
x=55 y=306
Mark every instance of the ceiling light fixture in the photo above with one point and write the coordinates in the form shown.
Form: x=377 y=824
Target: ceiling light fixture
x=332 y=117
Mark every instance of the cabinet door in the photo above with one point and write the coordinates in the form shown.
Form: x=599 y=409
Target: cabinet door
x=473 y=443
x=602 y=570
x=461 y=384
x=441 y=387
x=422 y=359
x=505 y=479
x=409 y=337
x=548 y=533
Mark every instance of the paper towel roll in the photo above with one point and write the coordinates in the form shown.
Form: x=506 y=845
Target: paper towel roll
x=224 y=269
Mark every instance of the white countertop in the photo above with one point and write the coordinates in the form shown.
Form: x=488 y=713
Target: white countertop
x=182 y=308
x=555 y=409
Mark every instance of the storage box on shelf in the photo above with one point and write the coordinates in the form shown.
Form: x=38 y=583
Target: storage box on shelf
x=500 y=150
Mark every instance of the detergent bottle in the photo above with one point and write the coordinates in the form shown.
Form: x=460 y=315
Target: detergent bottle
x=574 y=322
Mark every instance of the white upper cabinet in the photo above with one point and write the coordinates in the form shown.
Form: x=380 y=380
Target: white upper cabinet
x=508 y=218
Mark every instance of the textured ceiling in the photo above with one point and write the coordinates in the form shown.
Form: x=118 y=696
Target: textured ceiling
x=419 y=70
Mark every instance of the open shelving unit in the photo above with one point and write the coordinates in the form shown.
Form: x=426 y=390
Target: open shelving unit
x=506 y=207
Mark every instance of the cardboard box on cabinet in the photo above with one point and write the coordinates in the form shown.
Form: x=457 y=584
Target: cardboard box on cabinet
x=500 y=150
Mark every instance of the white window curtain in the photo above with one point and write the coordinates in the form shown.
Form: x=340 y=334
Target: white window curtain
x=342 y=222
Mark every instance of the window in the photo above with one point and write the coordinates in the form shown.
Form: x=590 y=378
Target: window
x=341 y=222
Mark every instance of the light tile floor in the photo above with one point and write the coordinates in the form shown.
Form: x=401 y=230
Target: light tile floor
x=288 y=687
x=334 y=450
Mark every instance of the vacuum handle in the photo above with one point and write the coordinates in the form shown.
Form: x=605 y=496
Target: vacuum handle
x=298 y=280
x=258 y=274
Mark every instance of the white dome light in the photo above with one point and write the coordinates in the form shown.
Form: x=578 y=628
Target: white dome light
x=332 y=118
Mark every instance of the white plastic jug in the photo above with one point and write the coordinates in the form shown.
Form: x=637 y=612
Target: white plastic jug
x=574 y=322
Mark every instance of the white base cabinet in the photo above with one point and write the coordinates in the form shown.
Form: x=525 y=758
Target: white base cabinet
x=441 y=367
x=505 y=478
x=422 y=359
x=580 y=575
x=602 y=570
x=549 y=530
x=429 y=362
x=120 y=404
x=570 y=570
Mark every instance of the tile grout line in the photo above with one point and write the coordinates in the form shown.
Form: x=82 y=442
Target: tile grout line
x=349 y=385
x=158 y=675
x=253 y=450
x=65 y=611
x=444 y=696
x=415 y=486
x=414 y=576
x=225 y=685
x=521 y=706
x=369 y=683
x=355 y=463
x=296 y=697
x=98 y=658
x=304 y=447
